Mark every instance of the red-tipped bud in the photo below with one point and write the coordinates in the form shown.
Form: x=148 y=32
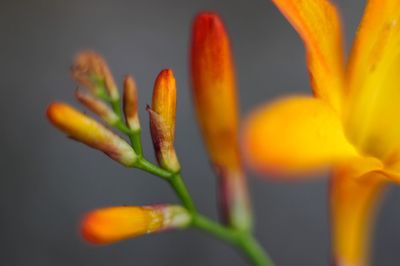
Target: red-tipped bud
x=131 y=103
x=214 y=96
x=108 y=225
x=88 y=131
x=162 y=120
x=97 y=106
x=91 y=70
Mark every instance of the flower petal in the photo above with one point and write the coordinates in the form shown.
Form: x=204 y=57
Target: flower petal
x=374 y=91
x=353 y=200
x=319 y=26
x=295 y=134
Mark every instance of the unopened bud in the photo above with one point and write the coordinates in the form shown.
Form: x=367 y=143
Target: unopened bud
x=88 y=131
x=214 y=96
x=162 y=120
x=131 y=103
x=97 y=106
x=108 y=225
x=91 y=70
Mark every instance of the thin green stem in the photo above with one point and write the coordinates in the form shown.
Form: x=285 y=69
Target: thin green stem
x=241 y=240
x=116 y=106
x=149 y=167
x=181 y=190
x=136 y=142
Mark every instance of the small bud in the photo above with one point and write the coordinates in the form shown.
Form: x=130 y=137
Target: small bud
x=162 y=120
x=108 y=225
x=88 y=131
x=91 y=70
x=97 y=106
x=214 y=96
x=131 y=103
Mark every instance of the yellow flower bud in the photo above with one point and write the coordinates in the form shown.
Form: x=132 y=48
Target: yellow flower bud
x=113 y=224
x=88 y=131
x=97 y=106
x=91 y=70
x=131 y=103
x=162 y=120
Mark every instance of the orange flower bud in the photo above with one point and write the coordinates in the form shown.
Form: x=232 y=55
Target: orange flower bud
x=97 y=106
x=131 y=103
x=113 y=224
x=91 y=70
x=214 y=95
x=88 y=131
x=214 y=89
x=162 y=120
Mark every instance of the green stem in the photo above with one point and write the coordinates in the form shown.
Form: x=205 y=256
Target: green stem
x=135 y=139
x=181 y=190
x=147 y=166
x=241 y=240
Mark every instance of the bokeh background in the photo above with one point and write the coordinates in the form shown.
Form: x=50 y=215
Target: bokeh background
x=47 y=181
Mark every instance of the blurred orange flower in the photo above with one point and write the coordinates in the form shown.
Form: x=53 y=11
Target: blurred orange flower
x=215 y=100
x=349 y=124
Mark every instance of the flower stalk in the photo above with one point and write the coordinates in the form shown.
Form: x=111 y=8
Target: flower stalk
x=113 y=224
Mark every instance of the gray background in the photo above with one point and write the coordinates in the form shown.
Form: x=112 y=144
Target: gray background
x=48 y=181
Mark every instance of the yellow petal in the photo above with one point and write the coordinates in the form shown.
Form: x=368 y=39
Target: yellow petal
x=318 y=24
x=373 y=104
x=295 y=134
x=353 y=200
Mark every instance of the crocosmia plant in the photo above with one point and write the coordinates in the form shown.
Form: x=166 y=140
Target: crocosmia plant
x=348 y=126
x=214 y=87
x=350 y=123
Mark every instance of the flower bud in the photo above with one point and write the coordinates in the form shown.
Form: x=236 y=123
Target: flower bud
x=91 y=70
x=113 y=224
x=214 y=96
x=97 y=106
x=88 y=131
x=162 y=120
x=131 y=103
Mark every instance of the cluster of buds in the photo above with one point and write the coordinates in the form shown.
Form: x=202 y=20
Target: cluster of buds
x=101 y=97
x=214 y=93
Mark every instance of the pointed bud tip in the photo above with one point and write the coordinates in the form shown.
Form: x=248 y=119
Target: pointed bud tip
x=56 y=111
x=208 y=20
x=165 y=80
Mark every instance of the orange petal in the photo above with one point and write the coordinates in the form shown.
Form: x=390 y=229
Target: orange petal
x=318 y=24
x=353 y=200
x=295 y=134
x=107 y=225
x=374 y=95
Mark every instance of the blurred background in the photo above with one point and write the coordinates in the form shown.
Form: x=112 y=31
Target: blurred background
x=47 y=181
